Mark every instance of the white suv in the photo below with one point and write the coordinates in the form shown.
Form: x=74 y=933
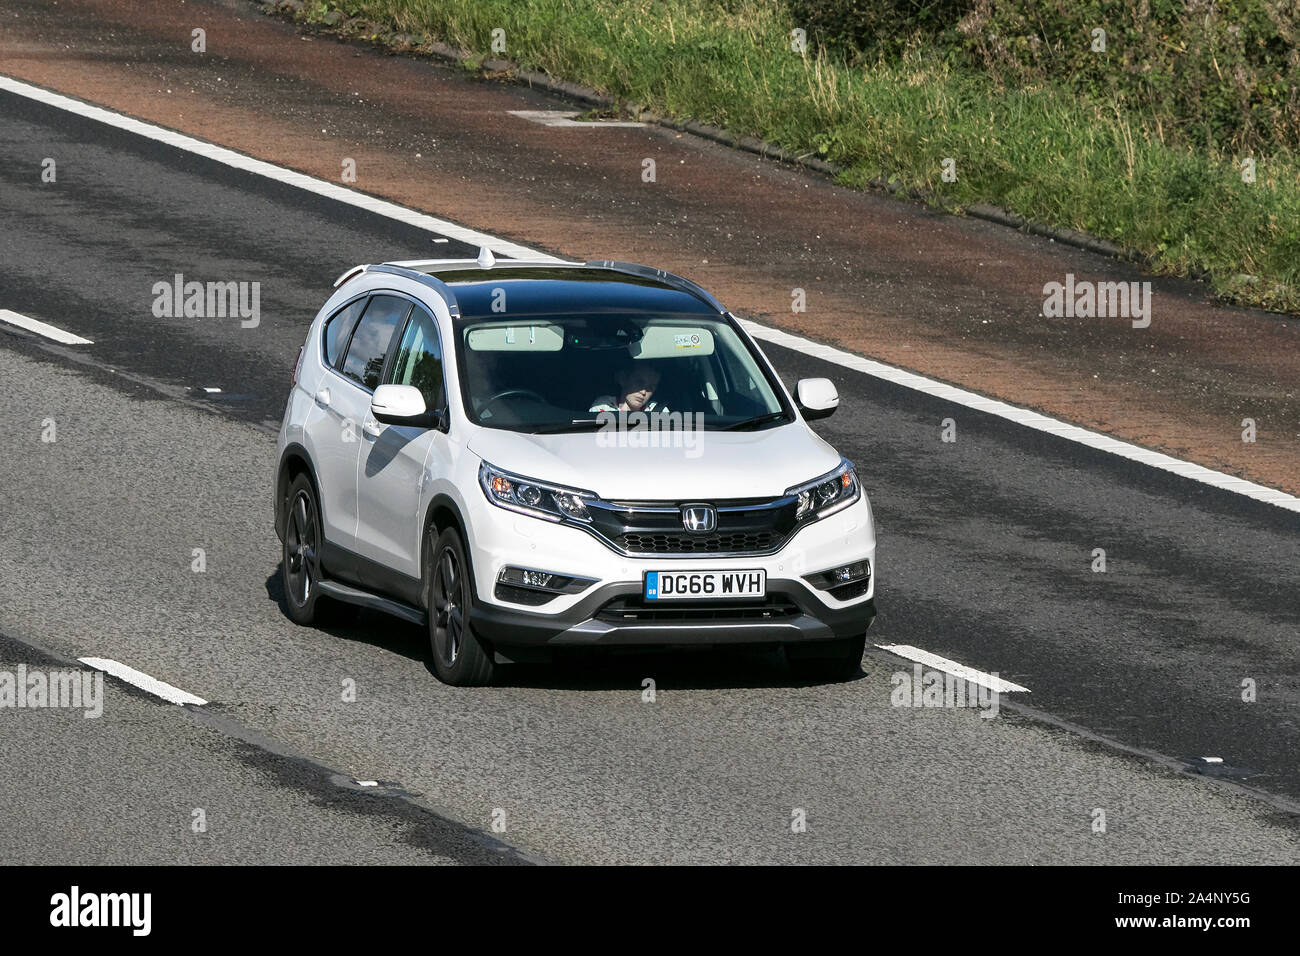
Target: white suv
x=523 y=456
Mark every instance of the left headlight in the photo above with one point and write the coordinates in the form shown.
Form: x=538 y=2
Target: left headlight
x=517 y=493
x=828 y=494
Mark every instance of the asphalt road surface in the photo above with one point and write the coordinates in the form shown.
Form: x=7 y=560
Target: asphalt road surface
x=986 y=555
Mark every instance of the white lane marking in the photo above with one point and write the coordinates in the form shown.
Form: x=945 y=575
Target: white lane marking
x=1023 y=416
x=970 y=674
x=256 y=166
x=562 y=118
x=142 y=680
x=41 y=328
x=889 y=373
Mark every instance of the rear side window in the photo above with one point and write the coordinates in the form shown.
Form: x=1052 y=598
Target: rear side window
x=419 y=360
x=337 y=329
x=365 y=360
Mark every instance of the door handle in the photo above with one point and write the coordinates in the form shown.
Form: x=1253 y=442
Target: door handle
x=322 y=396
x=372 y=428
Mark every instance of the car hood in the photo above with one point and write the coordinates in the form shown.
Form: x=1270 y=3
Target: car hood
x=714 y=465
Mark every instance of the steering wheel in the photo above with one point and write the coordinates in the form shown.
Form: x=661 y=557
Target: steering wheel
x=509 y=393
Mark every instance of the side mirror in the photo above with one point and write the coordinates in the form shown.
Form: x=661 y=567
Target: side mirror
x=817 y=398
x=399 y=405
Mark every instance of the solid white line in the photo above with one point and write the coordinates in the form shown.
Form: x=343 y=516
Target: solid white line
x=40 y=328
x=256 y=166
x=970 y=674
x=1023 y=416
x=889 y=373
x=561 y=118
x=142 y=680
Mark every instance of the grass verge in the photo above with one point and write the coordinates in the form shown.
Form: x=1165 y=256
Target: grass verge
x=1042 y=152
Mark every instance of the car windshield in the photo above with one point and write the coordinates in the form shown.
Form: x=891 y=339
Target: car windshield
x=555 y=373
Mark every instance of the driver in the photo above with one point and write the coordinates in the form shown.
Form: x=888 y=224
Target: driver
x=636 y=384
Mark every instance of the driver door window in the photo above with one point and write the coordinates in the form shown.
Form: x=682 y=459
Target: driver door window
x=419 y=360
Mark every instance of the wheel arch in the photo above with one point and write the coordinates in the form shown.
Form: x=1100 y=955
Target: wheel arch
x=294 y=461
x=443 y=512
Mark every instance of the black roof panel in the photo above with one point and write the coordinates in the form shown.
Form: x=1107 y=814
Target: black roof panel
x=543 y=290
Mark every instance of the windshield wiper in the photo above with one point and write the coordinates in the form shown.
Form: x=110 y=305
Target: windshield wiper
x=577 y=425
x=755 y=422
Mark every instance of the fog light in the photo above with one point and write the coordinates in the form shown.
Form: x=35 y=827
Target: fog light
x=846 y=574
x=532 y=587
x=530 y=578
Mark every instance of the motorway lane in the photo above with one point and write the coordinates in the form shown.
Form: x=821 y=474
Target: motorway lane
x=125 y=786
x=84 y=253
x=986 y=557
x=98 y=532
x=986 y=546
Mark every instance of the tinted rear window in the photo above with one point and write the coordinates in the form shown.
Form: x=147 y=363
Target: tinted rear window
x=337 y=329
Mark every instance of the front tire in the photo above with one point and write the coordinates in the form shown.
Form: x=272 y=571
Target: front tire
x=459 y=657
x=300 y=564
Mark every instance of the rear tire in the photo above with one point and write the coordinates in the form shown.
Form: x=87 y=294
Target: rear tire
x=300 y=555
x=459 y=657
x=834 y=660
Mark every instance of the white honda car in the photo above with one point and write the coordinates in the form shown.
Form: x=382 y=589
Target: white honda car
x=523 y=456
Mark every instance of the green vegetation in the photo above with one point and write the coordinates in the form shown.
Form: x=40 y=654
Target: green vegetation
x=1142 y=144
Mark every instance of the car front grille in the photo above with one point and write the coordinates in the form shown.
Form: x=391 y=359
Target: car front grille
x=739 y=543
x=744 y=526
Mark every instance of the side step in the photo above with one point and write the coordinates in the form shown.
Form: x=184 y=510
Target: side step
x=351 y=595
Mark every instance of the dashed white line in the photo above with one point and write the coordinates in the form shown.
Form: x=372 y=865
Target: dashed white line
x=258 y=167
x=167 y=692
x=42 y=328
x=897 y=376
x=969 y=674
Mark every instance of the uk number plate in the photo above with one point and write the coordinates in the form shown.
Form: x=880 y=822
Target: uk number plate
x=704 y=585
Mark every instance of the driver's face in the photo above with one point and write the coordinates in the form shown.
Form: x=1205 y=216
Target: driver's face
x=638 y=386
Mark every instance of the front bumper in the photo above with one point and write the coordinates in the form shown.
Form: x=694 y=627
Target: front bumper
x=593 y=617
x=614 y=615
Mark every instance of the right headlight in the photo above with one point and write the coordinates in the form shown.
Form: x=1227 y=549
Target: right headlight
x=828 y=494
x=538 y=498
